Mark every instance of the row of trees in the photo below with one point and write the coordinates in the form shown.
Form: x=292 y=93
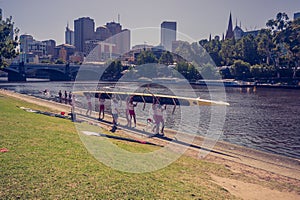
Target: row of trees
x=166 y=58
x=274 y=52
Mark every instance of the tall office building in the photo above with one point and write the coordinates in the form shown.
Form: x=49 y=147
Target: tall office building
x=69 y=36
x=50 y=47
x=113 y=33
x=25 y=40
x=296 y=15
x=114 y=28
x=83 y=30
x=102 y=33
x=168 y=34
x=123 y=42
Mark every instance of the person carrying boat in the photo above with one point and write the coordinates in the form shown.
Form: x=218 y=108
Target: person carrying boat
x=101 y=107
x=70 y=98
x=60 y=96
x=89 y=103
x=66 y=97
x=158 y=116
x=115 y=113
x=130 y=107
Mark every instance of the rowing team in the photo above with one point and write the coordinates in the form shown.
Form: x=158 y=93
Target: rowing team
x=130 y=112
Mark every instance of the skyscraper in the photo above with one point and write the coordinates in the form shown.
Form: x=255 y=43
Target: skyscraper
x=113 y=33
x=102 y=33
x=229 y=32
x=114 y=28
x=123 y=43
x=83 y=31
x=167 y=34
x=25 y=40
x=296 y=15
x=69 y=36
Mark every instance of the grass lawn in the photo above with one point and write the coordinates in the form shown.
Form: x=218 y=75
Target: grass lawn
x=47 y=160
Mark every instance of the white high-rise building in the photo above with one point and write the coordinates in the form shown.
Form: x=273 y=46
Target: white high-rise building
x=168 y=34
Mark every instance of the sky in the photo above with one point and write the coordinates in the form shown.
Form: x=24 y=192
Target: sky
x=196 y=19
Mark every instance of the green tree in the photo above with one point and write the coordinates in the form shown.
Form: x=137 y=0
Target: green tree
x=182 y=68
x=113 y=71
x=188 y=70
x=146 y=57
x=245 y=49
x=264 y=46
x=209 y=72
x=279 y=23
x=263 y=71
x=59 y=61
x=286 y=39
x=166 y=58
x=7 y=44
x=213 y=48
x=287 y=42
x=240 y=70
x=227 y=52
x=45 y=61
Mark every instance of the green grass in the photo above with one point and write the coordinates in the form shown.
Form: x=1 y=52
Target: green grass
x=48 y=160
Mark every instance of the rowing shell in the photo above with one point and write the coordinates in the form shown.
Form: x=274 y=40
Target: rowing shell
x=148 y=98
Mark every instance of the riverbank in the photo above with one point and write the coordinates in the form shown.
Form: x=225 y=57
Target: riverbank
x=247 y=173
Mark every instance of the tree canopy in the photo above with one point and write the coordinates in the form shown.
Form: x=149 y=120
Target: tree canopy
x=7 y=43
x=146 y=57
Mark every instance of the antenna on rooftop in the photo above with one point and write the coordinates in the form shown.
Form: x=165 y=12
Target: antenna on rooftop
x=119 y=18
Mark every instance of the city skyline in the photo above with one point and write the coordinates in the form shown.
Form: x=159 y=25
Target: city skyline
x=200 y=18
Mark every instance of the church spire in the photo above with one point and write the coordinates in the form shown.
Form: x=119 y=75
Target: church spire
x=229 y=32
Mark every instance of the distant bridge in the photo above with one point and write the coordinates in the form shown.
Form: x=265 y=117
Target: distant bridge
x=53 y=72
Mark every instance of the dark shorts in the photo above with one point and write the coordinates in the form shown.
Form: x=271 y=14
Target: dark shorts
x=101 y=107
x=131 y=112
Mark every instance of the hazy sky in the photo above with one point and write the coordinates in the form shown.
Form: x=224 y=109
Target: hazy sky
x=47 y=19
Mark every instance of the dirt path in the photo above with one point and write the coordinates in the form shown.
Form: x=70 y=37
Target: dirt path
x=262 y=169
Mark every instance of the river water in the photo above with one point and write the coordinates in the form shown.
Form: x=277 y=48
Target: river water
x=265 y=119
